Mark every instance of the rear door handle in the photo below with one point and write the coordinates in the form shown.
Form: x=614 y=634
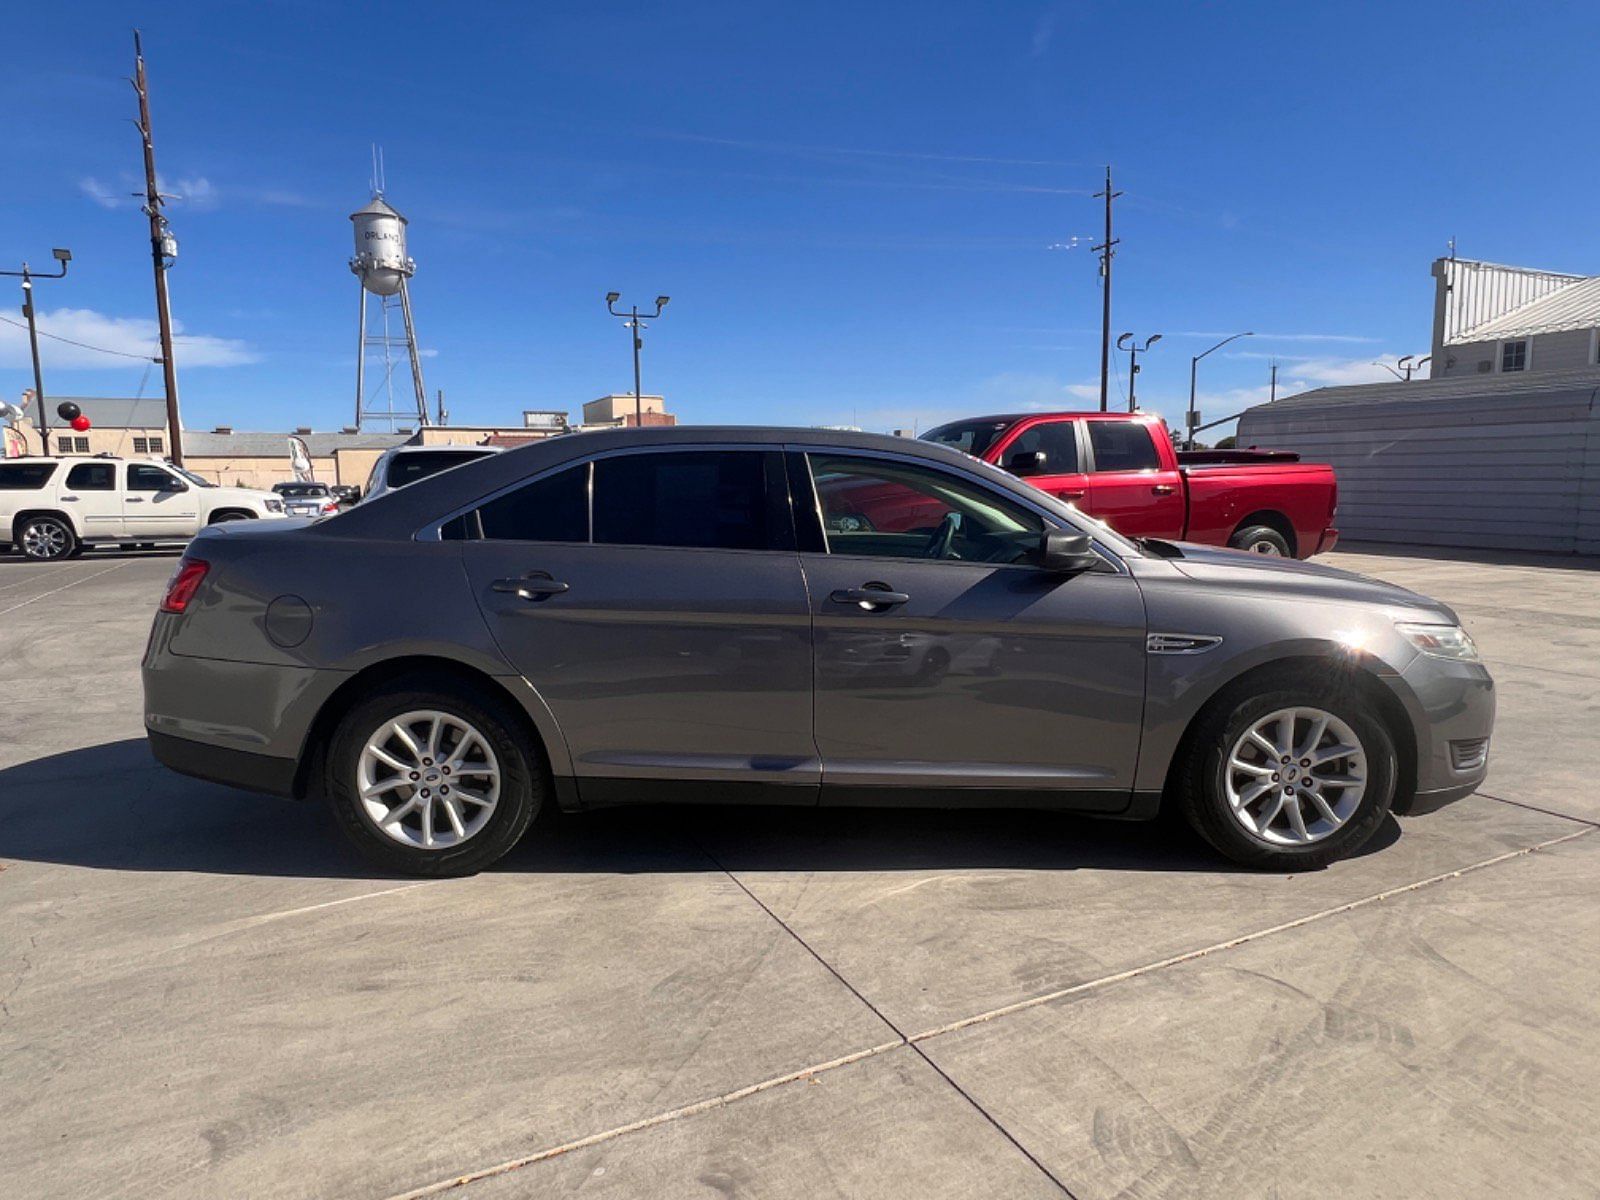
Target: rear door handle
x=869 y=597
x=1162 y=489
x=535 y=585
x=1071 y=495
x=135 y=500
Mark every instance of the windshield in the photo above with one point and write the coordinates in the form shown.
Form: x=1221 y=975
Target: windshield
x=190 y=476
x=408 y=468
x=970 y=437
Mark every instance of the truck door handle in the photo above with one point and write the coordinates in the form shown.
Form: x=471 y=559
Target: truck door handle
x=870 y=597
x=1071 y=495
x=535 y=585
x=69 y=499
x=1162 y=489
x=134 y=500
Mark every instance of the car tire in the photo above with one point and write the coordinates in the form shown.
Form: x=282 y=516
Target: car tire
x=229 y=516
x=1209 y=784
x=1261 y=539
x=47 y=539
x=350 y=762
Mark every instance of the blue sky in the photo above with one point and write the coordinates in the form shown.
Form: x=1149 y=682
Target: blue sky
x=850 y=204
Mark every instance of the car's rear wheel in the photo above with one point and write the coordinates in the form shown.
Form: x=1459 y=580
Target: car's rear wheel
x=46 y=538
x=428 y=781
x=1261 y=539
x=1292 y=776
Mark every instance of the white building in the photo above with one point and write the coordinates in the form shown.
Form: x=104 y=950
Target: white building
x=1490 y=319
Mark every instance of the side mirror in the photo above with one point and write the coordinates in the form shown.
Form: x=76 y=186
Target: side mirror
x=175 y=485
x=1065 y=553
x=1027 y=462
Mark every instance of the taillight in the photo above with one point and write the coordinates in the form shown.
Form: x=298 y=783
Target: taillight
x=330 y=506
x=185 y=583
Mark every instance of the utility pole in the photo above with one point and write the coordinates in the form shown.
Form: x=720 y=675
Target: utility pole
x=631 y=320
x=1274 y=395
x=163 y=249
x=1106 y=250
x=63 y=257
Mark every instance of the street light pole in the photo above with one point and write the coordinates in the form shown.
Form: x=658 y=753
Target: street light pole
x=63 y=257
x=632 y=321
x=1134 y=351
x=1194 y=365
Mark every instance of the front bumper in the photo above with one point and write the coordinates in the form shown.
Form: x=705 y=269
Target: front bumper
x=1453 y=706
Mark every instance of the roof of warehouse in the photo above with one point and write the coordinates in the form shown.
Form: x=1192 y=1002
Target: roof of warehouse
x=247 y=444
x=1573 y=306
x=1461 y=387
x=108 y=412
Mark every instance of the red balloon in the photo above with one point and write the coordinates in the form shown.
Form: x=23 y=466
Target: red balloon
x=80 y=423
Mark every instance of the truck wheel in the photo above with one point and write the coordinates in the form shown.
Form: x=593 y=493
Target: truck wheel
x=47 y=538
x=1290 y=776
x=1260 y=539
x=427 y=780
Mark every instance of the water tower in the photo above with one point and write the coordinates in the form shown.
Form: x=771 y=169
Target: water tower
x=383 y=268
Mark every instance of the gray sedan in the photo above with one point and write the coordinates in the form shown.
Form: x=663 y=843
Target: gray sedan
x=795 y=617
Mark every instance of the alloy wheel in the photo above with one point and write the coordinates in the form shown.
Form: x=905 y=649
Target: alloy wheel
x=428 y=779
x=1295 y=776
x=44 y=539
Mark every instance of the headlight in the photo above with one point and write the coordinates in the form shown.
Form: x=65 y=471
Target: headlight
x=274 y=505
x=1440 y=641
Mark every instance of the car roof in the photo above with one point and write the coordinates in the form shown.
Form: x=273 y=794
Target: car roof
x=402 y=511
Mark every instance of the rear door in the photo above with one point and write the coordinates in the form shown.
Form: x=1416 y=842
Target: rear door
x=1130 y=488
x=976 y=670
x=158 y=505
x=1047 y=454
x=90 y=493
x=655 y=600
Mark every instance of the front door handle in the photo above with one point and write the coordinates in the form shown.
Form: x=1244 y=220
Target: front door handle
x=535 y=585
x=871 y=597
x=1162 y=489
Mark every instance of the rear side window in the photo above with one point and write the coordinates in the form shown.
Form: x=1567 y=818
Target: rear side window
x=26 y=476
x=1056 y=440
x=711 y=499
x=1122 y=446
x=552 y=509
x=93 y=477
x=409 y=468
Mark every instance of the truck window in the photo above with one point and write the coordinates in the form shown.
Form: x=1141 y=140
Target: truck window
x=970 y=437
x=25 y=477
x=1122 y=446
x=93 y=477
x=1056 y=440
x=149 y=479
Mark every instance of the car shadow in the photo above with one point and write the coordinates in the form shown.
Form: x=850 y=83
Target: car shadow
x=113 y=807
x=10 y=558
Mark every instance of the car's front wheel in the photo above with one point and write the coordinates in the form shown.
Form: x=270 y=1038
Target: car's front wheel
x=429 y=781
x=46 y=538
x=1291 y=776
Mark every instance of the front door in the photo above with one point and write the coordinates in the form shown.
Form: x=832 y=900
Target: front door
x=1045 y=453
x=945 y=660
x=665 y=624
x=158 y=505
x=91 y=493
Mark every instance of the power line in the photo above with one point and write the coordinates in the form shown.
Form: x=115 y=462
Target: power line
x=56 y=337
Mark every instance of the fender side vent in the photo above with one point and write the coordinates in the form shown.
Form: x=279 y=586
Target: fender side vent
x=1180 y=643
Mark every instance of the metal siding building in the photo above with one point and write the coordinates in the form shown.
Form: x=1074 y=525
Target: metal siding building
x=1509 y=462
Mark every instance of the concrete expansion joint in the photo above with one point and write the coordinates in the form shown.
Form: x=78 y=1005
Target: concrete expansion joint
x=913 y=1041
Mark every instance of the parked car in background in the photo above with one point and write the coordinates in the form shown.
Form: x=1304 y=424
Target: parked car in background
x=345 y=493
x=748 y=615
x=1124 y=469
x=306 y=499
x=55 y=507
x=402 y=465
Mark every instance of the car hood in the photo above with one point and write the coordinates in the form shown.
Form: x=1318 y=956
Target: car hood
x=1239 y=570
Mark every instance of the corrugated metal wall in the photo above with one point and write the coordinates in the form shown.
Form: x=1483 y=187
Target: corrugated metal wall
x=1419 y=465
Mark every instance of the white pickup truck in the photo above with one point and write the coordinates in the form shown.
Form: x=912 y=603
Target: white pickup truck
x=53 y=507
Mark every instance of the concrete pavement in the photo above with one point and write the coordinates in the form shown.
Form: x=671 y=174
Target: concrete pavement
x=203 y=993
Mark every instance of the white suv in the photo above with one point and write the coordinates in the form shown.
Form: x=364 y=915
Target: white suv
x=54 y=507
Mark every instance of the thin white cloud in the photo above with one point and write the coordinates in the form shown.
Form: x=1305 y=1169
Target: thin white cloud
x=102 y=194
x=195 y=193
x=1044 y=33
x=137 y=336
x=1275 y=337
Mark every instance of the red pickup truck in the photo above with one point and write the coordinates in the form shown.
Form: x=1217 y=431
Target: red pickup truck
x=1123 y=468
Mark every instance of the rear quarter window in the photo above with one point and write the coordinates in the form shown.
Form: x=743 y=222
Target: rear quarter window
x=409 y=468
x=26 y=476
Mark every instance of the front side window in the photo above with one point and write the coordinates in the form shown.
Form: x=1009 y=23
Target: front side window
x=93 y=477
x=552 y=509
x=1122 y=446
x=1047 y=449
x=1514 y=356
x=709 y=499
x=891 y=509
x=143 y=478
